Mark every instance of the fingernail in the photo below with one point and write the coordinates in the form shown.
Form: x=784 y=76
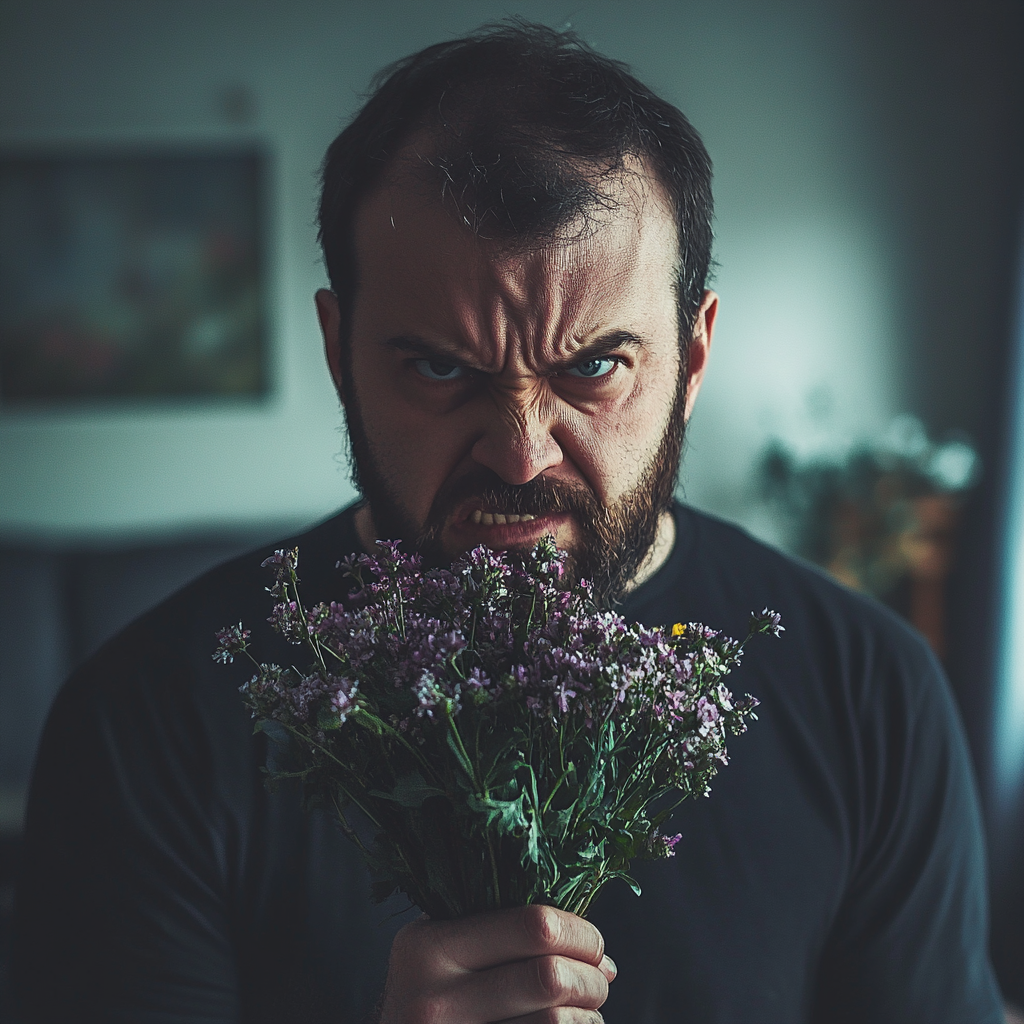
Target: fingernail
x=608 y=966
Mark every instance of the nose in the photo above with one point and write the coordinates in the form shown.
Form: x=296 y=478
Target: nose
x=517 y=443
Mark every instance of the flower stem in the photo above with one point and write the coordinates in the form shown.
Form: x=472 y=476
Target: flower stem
x=494 y=872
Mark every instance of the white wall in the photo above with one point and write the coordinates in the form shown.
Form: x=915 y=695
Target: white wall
x=809 y=335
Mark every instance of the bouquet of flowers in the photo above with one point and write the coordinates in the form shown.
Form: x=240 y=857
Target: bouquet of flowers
x=509 y=742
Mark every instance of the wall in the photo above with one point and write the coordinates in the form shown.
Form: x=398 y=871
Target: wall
x=868 y=169
x=806 y=108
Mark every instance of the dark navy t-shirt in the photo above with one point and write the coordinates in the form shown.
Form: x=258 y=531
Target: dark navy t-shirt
x=835 y=874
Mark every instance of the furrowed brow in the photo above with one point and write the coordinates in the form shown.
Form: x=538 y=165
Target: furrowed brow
x=596 y=348
x=428 y=349
x=602 y=346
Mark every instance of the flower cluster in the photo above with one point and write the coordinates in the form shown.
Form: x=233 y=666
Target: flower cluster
x=510 y=742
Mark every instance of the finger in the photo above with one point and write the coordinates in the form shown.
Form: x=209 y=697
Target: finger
x=485 y=940
x=608 y=968
x=560 y=1015
x=528 y=986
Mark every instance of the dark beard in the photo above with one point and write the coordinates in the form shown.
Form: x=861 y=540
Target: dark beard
x=615 y=539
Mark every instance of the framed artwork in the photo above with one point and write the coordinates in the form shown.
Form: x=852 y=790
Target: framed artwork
x=131 y=276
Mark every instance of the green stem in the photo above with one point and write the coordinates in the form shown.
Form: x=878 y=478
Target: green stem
x=349 y=831
x=310 y=641
x=341 y=764
x=533 y=606
x=494 y=873
x=557 y=786
x=462 y=749
x=394 y=734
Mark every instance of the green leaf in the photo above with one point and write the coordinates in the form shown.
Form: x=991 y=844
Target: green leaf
x=410 y=791
x=274 y=730
x=506 y=814
x=560 y=821
x=630 y=881
x=533 y=840
x=328 y=720
x=368 y=720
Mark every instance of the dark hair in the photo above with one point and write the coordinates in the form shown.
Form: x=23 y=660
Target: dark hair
x=525 y=124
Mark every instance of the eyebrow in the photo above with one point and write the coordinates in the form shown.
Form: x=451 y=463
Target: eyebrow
x=597 y=348
x=414 y=343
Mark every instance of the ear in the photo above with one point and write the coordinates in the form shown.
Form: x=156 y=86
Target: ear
x=329 y=315
x=700 y=347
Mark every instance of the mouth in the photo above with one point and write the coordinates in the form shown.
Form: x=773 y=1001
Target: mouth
x=480 y=518
x=475 y=525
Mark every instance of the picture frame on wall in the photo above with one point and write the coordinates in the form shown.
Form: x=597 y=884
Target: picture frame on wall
x=132 y=275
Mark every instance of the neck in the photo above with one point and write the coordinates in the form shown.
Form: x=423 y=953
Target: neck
x=659 y=552
x=365 y=530
x=653 y=561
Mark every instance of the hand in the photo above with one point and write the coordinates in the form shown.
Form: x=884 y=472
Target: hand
x=529 y=965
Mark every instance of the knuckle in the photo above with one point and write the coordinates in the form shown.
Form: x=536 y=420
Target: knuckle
x=567 y=1015
x=543 y=925
x=408 y=939
x=552 y=978
x=427 y=1009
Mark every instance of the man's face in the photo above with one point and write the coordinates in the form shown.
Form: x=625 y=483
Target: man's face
x=482 y=388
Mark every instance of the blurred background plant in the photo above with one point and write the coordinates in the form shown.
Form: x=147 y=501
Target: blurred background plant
x=879 y=514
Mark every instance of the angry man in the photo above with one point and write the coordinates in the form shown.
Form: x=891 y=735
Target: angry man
x=517 y=234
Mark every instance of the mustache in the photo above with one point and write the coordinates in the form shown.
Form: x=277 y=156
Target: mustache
x=539 y=496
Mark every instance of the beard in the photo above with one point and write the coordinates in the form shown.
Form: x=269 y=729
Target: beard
x=615 y=538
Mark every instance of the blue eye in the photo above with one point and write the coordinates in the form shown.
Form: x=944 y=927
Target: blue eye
x=434 y=370
x=593 y=367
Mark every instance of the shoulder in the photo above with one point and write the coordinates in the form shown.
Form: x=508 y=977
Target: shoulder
x=844 y=658
x=157 y=677
x=732 y=568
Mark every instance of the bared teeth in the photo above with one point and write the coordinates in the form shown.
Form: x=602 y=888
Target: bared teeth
x=481 y=518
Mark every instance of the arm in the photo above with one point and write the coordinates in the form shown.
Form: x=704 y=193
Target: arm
x=910 y=941
x=120 y=913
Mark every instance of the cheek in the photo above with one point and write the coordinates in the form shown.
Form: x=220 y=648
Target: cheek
x=413 y=448
x=614 y=444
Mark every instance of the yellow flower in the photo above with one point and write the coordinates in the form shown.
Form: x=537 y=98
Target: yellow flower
x=678 y=629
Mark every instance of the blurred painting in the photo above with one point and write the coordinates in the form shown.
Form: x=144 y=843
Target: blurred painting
x=131 y=276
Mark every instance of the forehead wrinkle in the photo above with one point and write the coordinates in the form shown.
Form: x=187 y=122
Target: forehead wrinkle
x=523 y=314
x=497 y=319
x=543 y=303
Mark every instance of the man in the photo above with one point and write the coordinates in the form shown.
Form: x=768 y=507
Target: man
x=518 y=237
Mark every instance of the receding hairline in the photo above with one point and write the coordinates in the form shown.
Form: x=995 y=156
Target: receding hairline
x=630 y=183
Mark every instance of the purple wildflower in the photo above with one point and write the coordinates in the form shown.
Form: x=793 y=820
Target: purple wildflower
x=767 y=622
x=284 y=563
x=496 y=671
x=231 y=640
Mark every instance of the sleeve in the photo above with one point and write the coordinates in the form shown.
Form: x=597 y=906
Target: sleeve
x=910 y=943
x=121 y=912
